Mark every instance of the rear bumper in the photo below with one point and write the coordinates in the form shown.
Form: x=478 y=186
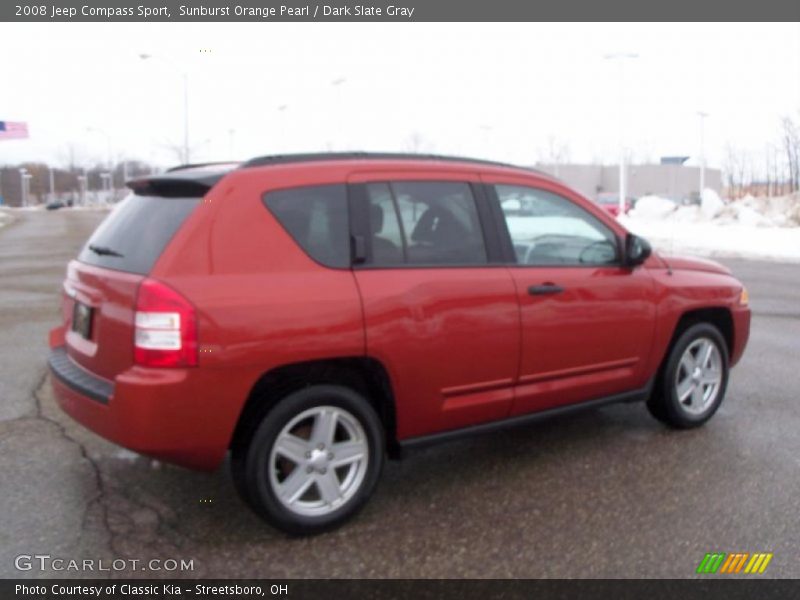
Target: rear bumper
x=171 y=414
x=80 y=380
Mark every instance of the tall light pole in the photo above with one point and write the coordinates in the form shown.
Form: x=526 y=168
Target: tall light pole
x=337 y=83
x=486 y=132
x=702 y=116
x=231 y=135
x=620 y=57
x=185 y=78
x=282 y=110
x=104 y=133
x=23 y=180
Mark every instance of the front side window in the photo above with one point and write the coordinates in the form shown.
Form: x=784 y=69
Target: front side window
x=547 y=229
x=424 y=223
x=316 y=217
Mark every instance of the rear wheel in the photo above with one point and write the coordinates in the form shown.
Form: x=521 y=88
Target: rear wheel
x=692 y=384
x=313 y=461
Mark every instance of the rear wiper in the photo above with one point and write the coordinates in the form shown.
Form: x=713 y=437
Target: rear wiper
x=103 y=250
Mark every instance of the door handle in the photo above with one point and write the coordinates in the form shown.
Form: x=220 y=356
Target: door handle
x=545 y=288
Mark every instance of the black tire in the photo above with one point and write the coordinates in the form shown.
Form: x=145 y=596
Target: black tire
x=664 y=403
x=255 y=475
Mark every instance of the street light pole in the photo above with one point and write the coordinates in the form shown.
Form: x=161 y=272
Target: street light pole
x=702 y=116
x=620 y=57
x=186 y=158
x=185 y=77
x=284 y=146
x=337 y=83
x=104 y=133
x=486 y=130
x=23 y=191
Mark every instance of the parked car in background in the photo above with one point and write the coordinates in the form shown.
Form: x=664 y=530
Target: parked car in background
x=313 y=314
x=55 y=205
x=610 y=203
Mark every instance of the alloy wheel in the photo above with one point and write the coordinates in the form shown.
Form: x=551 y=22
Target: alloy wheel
x=698 y=378
x=318 y=461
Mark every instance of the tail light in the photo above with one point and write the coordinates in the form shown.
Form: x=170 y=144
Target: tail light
x=165 y=332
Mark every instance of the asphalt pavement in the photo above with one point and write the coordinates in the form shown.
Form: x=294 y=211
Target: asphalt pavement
x=607 y=493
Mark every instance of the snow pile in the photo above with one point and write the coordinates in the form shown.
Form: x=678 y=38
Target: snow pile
x=5 y=217
x=751 y=217
x=93 y=207
x=652 y=207
x=27 y=208
x=766 y=228
x=781 y=211
x=711 y=204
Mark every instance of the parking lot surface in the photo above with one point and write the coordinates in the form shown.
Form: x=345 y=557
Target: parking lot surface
x=607 y=493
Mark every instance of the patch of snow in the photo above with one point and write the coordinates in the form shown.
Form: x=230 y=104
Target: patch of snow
x=126 y=455
x=762 y=228
x=688 y=214
x=751 y=217
x=94 y=207
x=711 y=204
x=35 y=207
x=652 y=207
x=5 y=217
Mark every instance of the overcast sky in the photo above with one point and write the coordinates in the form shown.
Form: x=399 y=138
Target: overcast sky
x=499 y=91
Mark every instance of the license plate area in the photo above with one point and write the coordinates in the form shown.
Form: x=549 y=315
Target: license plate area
x=82 y=320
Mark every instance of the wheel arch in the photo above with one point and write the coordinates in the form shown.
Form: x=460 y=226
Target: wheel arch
x=365 y=375
x=718 y=316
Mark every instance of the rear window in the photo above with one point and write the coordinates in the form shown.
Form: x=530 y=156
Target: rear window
x=136 y=232
x=316 y=217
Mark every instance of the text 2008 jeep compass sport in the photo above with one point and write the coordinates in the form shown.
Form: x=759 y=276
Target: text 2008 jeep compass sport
x=313 y=313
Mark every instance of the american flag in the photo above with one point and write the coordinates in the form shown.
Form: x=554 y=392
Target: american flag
x=10 y=130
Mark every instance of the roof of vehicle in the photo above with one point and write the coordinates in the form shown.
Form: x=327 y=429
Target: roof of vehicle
x=282 y=159
x=199 y=178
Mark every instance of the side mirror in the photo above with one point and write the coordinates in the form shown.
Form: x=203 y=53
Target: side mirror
x=637 y=250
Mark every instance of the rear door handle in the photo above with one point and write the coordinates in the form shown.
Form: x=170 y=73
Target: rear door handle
x=545 y=288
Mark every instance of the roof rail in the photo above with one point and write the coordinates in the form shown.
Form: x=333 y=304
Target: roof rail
x=281 y=159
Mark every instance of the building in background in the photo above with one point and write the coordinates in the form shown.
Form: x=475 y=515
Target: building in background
x=670 y=178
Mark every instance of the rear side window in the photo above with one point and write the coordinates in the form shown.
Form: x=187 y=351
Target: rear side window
x=136 y=232
x=425 y=223
x=316 y=217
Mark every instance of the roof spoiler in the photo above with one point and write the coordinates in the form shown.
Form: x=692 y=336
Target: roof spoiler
x=177 y=183
x=168 y=188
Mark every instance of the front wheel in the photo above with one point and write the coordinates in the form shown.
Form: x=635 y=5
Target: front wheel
x=314 y=460
x=692 y=385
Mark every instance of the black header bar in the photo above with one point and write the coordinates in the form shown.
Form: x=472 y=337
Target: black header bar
x=398 y=11
x=708 y=588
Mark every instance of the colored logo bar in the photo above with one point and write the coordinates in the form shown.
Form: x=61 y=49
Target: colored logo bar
x=737 y=562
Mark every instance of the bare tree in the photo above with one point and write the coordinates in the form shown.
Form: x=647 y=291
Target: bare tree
x=554 y=152
x=791 y=147
x=69 y=157
x=730 y=170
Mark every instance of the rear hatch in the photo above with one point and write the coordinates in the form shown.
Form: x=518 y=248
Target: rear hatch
x=102 y=284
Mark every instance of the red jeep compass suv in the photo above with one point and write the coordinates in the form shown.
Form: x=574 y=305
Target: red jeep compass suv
x=312 y=314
